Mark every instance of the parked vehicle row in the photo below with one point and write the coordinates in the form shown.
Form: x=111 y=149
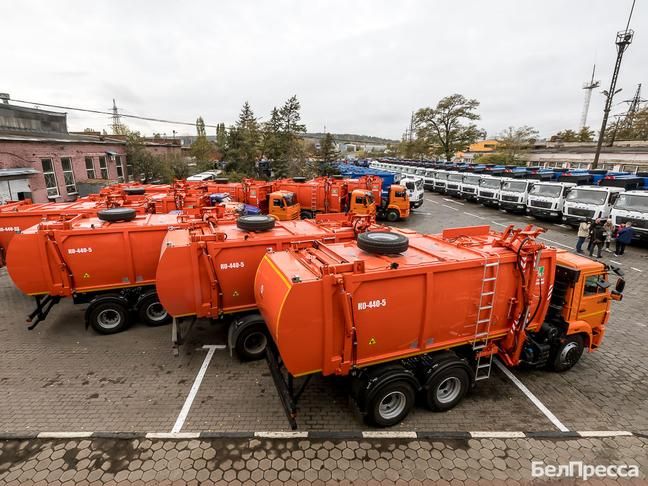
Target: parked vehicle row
x=570 y=196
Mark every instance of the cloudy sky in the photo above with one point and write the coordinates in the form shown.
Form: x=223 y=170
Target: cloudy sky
x=356 y=66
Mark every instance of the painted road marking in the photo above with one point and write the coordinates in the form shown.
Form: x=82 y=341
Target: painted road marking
x=177 y=427
x=449 y=207
x=432 y=201
x=604 y=433
x=453 y=201
x=636 y=269
x=562 y=225
x=386 y=434
x=498 y=223
x=173 y=435
x=281 y=435
x=497 y=435
x=616 y=263
x=554 y=420
x=473 y=215
x=64 y=435
x=555 y=242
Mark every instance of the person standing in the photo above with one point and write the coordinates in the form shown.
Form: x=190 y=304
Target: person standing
x=609 y=231
x=583 y=232
x=624 y=237
x=590 y=243
x=597 y=238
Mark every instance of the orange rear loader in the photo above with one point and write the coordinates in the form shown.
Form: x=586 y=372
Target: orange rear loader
x=402 y=314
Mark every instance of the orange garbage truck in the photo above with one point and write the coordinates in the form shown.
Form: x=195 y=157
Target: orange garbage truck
x=404 y=315
x=108 y=262
x=207 y=271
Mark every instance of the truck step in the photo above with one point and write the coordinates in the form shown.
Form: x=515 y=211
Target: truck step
x=483 y=366
x=481 y=321
x=494 y=264
x=490 y=279
x=483 y=377
x=485 y=307
x=487 y=293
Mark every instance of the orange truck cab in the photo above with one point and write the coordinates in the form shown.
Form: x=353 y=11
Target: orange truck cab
x=362 y=202
x=403 y=314
x=395 y=204
x=283 y=206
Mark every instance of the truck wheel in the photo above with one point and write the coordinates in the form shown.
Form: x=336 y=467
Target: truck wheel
x=108 y=317
x=251 y=343
x=383 y=242
x=258 y=222
x=446 y=389
x=306 y=214
x=135 y=191
x=391 y=404
x=392 y=216
x=567 y=353
x=151 y=312
x=117 y=214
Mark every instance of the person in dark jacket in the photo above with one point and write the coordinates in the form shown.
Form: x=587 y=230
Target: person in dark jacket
x=597 y=238
x=623 y=238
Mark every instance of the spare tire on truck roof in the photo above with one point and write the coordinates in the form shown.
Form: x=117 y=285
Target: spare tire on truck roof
x=134 y=191
x=255 y=222
x=299 y=179
x=117 y=214
x=383 y=242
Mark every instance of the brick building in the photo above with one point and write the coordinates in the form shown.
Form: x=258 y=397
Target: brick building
x=57 y=165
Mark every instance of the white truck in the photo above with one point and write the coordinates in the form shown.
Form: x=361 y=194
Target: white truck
x=489 y=190
x=414 y=185
x=428 y=180
x=547 y=199
x=632 y=206
x=470 y=186
x=440 y=180
x=514 y=194
x=589 y=202
x=453 y=184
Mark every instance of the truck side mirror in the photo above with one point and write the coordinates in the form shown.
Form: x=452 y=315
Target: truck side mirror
x=620 y=285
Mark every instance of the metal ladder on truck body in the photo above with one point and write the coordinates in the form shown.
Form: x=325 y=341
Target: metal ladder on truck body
x=485 y=319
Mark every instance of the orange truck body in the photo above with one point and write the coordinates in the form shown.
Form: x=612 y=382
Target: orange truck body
x=320 y=195
x=207 y=271
x=86 y=254
x=364 y=309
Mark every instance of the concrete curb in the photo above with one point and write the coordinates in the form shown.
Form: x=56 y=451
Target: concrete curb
x=325 y=435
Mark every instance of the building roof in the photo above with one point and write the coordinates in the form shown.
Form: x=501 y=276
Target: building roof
x=18 y=172
x=57 y=138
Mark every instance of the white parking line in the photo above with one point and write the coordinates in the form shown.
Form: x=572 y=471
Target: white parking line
x=474 y=215
x=554 y=420
x=554 y=242
x=563 y=225
x=636 y=269
x=453 y=201
x=449 y=207
x=498 y=223
x=432 y=201
x=177 y=427
x=616 y=263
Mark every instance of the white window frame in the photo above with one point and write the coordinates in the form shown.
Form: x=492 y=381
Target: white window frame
x=120 y=168
x=51 y=172
x=70 y=172
x=90 y=172
x=103 y=169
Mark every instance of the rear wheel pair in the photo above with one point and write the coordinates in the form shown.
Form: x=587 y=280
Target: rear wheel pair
x=113 y=316
x=394 y=400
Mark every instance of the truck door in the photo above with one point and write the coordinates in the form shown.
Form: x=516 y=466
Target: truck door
x=277 y=207
x=595 y=302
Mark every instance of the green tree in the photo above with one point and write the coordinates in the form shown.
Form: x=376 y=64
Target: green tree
x=292 y=148
x=585 y=134
x=246 y=141
x=634 y=127
x=202 y=150
x=328 y=155
x=513 y=142
x=567 y=135
x=446 y=128
x=177 y=167
x=146 y=166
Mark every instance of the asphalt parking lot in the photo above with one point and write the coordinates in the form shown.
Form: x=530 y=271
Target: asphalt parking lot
x=61 y=377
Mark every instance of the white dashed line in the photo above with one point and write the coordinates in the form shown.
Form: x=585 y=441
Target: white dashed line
x=432 y=201
x=636 y=269
x=177 y=427
x=474 y=215
x=554 y=420
x=449 y=207
x=498 y=223
x=616 y=263
x=453 y=201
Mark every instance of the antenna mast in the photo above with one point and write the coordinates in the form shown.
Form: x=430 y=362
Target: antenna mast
x=588 y=87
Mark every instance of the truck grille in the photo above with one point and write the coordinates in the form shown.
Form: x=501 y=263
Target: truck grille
x=540 y=204
x=469 y=189
x=452 y=186
x=638 y=223
x=486 y=194
x=581 y=212
x=510 y=198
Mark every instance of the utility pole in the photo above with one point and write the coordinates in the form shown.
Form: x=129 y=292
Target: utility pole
x=623 y=40
x=588 y=87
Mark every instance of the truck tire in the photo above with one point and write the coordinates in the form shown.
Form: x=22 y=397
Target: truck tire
x=151 y=312
x=251 y=342
x=257 y=222
x=306 y=214
x=565 y=355
x=108 y=317
x=135 y=191
x=383 y=242
x=299 y=179
x=221 y=180
x=390 y=404
x=117 y=214
x=447 y=388
x=392 y=215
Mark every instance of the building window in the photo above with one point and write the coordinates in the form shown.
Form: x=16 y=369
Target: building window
x=50 y=178
x=120 y=168
x=90 y=171
x=68 y=176
x=103 y=168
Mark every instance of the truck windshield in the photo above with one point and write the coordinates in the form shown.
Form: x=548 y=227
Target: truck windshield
x=544 y=190
x=455 y=177
x=290 y=199
x=471 y=180
x=441 y=176
x=516 y=186
x=490 y=183
x=587 y=196
x=631 y=202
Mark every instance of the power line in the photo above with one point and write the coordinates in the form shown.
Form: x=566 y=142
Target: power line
x=111 y=113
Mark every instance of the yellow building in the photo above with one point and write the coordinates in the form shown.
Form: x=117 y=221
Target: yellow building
x=480 y=147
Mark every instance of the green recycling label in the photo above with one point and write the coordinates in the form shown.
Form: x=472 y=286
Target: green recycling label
x=541 y=270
